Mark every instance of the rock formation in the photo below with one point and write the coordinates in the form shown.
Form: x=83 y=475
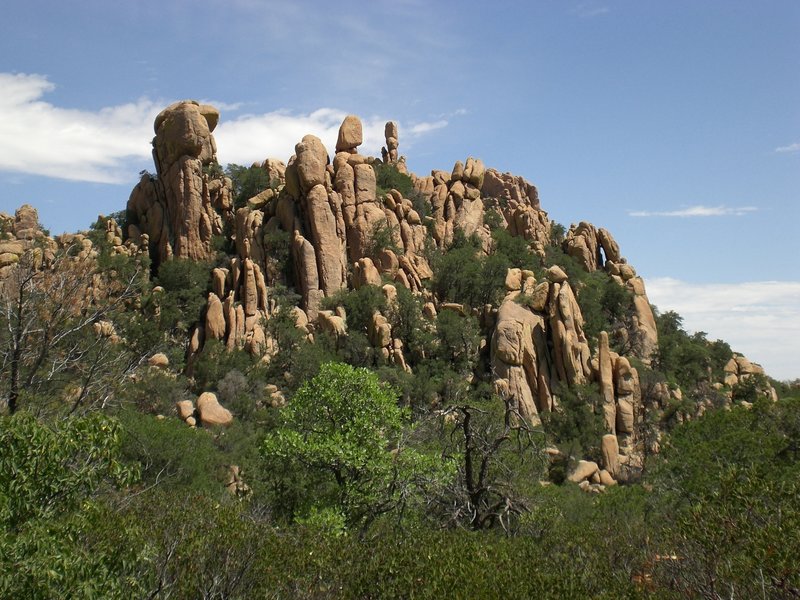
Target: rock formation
x=341 y=232
x=184 y=205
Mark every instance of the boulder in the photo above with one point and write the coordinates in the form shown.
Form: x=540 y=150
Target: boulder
x=158 y=360
x=350 y=134
x=583 y=471
x=185 y=409
x=312 y=158
x=211 y=412
x=556 y=274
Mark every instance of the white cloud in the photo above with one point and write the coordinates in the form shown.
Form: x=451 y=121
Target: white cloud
x=759 y=319
x=39 y=138
x=790 y=148
x=425 y=127
x=697 y=211
x=252 y=138
x=587 y=10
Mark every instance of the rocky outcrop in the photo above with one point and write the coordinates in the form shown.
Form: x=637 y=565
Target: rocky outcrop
x=596 y=249
x=185 y=204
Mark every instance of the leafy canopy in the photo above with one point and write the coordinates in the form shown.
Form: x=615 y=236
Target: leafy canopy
x=343 y=432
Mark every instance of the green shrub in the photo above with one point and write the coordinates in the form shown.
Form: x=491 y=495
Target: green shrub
x=172 y=453
x=186 y=285
x=343 y=436
x=389 y=178
x=247 y=182
x=359 y=305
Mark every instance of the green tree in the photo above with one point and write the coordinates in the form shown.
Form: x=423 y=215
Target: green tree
x=56 y=534
x=344 y=434
x=725 y=503
x=247 y=182
x=389 y=178
x=56 y=339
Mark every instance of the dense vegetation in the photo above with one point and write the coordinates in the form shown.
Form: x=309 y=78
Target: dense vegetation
x=371 y=482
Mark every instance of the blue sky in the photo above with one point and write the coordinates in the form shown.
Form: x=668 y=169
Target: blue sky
x=675 y=124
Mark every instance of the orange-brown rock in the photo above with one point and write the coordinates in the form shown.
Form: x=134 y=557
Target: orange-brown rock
x=350 y=134
x=211 y=412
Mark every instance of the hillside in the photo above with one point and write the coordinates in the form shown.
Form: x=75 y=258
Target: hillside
x=331 y=354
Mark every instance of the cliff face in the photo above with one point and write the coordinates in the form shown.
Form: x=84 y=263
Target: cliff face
x=329 y=210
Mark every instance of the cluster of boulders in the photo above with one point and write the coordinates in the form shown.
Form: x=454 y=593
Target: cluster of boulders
x=19 y=234
x=330 y=214
x=206 y=411
x=539 y=342
x=596 y=249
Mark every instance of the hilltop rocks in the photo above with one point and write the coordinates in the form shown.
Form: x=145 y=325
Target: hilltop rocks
x=596 y=249
x=182 y=207
x=389 y=152
x=184 y=129
x=310 y=163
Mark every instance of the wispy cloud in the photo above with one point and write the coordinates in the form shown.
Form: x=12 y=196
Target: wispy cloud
x=790 y=148
x=425 y=127
x=110 y=145
x=697 y=211
x=760 y=319
x=587 y=10
x=39 y=138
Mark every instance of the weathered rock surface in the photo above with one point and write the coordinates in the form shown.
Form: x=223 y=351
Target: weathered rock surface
x=182 y=207
x=211 y=412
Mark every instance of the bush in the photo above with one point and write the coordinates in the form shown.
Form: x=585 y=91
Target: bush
x=359 y=305
x=247 y=182
x=389 y=178
x=171 y=453
x=725 y=490
x=687 y=359
x=343 y=437
x=186 y=285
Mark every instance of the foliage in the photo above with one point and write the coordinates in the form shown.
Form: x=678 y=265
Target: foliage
x=497 y=460
x=54 y=534
x=171 y=453
x=279 y=265
x=410 y=326
x=344 y=432
x=383 y=237
x=458 y=340
x=46 y=470
x=247 y=182
x=216 y=361
x=750 y=388
x=186 y=285
x=359 y=305
x=91 y=553
x=387 y=178
x=465 y=275
x=153 y=391
x=53 y=349
x=605 y=306
x=728 y=484
x=557 y=233
x=576 y=425
x=687 y=359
